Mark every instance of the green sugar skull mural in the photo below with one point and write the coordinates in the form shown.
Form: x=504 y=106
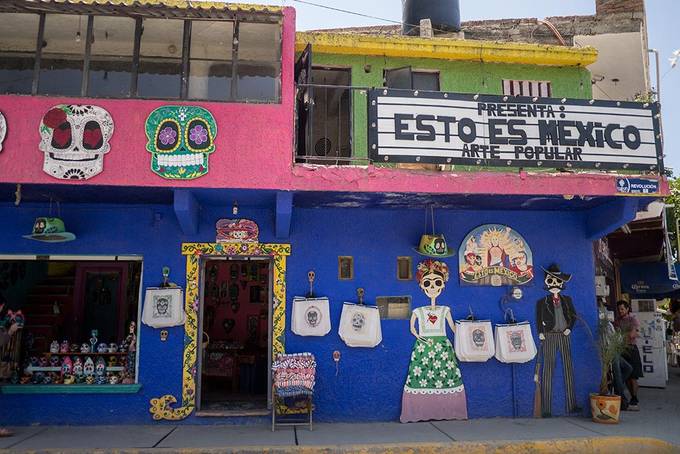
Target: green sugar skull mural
x=180 y=140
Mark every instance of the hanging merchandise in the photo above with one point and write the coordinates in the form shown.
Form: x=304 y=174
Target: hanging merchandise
x=360 y=325
x=474 y=340
x=515 y=343
x=311 y=316
x=433 y=245
x=163 y=307
x=74 y=139
x=236 y=231
x=50 y=230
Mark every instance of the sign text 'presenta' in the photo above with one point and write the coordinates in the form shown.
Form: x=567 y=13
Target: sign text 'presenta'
x=489 y=130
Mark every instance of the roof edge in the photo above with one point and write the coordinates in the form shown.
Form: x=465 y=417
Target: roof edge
x=446 y=49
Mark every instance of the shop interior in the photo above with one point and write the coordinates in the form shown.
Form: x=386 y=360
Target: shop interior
x=77 y=321
x=235 y=322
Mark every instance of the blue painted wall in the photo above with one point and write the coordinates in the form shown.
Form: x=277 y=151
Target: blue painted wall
x=368 y=385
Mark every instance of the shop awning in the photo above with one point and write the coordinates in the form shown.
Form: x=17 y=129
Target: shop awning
x=648 y=279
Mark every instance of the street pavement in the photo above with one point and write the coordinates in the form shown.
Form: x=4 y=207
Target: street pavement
x=658 y=419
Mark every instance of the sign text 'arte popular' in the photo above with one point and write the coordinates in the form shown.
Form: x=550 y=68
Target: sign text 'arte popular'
x=449 y=128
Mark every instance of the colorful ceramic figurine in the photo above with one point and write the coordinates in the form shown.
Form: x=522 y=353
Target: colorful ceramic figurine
x=102 y=347
x=93 y=340
x=64 y=347
x=113 y=362
x=84 y=348
x=54 y=361
x=88 y=367
x=78 y=369
x=113 y=378
x=100 y=371
x=54 y=347
x=113 y=348
x=69 y=379
x=66 y=366
x=75 y=348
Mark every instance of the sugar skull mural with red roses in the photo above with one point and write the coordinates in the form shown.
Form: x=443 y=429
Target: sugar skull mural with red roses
x=74 y=139
x=180 y=140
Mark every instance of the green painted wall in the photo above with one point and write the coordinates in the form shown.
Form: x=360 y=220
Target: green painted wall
x=455 y=76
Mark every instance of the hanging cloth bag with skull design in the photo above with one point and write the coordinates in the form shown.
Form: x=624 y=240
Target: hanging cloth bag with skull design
x=163 y=307
x=360 y=325
x=515 y=343
x=311 y=316
x=474 y=340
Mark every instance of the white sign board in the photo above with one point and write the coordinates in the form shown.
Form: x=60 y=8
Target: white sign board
x=489 y=130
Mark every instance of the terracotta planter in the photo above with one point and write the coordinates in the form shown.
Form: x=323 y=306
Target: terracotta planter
x=605 y=409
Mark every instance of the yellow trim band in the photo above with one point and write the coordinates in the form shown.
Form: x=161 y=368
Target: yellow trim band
x=445 y=49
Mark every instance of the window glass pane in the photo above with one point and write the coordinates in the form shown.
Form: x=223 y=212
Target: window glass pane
x=18 y=35
x=425 y=81
x=61 y=66
x=399 y=78
x=160 y=65
x=259 y=42
x=210 y=80
x=258 y=81
x=210 y=66
x=111 y=58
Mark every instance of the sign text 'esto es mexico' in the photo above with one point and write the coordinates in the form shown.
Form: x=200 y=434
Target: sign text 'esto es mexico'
x=489 y=130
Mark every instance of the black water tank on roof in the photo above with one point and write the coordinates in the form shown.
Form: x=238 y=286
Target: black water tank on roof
x=444 y=14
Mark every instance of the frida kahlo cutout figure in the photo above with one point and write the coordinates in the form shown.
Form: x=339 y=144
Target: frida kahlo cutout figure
x=434 y=388
x=555 y=318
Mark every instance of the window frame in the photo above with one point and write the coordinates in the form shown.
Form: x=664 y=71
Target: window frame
x=185 y=60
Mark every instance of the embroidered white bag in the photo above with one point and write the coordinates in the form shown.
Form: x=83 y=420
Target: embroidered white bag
x=163 y=307
x=311 y=316
x=474 y=340
x=515 y=343
x=360 y=325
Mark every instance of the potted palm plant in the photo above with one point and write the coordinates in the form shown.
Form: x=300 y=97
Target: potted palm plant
x=605 y=405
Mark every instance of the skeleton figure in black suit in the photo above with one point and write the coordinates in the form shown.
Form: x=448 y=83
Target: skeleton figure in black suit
x=555 y=318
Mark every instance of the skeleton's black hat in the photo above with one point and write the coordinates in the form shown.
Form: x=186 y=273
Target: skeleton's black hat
x=554 y=270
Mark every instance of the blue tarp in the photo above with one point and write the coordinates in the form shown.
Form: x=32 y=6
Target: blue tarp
x=648 y=279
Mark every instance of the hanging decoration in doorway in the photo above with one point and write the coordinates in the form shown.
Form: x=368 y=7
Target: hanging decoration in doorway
x=74 y=139
x=555 y=318
x=50 y=230
x=434 y=387
x=494 y=254
x=180 y=140
x=237 y=231
x=3 y=129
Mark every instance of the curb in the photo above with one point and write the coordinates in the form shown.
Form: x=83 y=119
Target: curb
x=600 y=445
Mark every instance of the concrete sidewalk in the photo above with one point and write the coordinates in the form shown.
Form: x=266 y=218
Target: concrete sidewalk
x=655 y=429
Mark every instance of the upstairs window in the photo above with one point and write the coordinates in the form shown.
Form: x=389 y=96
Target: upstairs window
x=121 y=57
x=409 y=79
x=18 y=38
x=110 y=72
x=63 y=53
x=533 y=88
x=210 y=73
x=160 y=60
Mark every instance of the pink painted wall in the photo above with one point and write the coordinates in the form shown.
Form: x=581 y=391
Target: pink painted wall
x=254 y=151
x=248 y=136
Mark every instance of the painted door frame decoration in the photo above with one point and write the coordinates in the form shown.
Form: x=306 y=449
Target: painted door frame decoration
x=495 y=254
x=161 y=407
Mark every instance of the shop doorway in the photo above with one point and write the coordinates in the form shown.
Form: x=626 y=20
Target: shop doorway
x=235 y=324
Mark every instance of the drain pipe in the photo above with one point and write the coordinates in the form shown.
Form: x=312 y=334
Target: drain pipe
x=658 y=77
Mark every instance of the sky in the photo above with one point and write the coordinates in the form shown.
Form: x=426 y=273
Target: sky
x=663 y=24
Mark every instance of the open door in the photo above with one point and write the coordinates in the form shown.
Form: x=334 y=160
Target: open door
x=304 y=104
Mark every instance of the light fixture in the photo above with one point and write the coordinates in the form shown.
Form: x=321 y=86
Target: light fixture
x=78 y=36
x=234 y=208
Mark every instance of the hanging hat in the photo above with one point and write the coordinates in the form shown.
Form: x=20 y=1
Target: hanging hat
x=554 y=271
x=433 y=246
x=50 y=230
